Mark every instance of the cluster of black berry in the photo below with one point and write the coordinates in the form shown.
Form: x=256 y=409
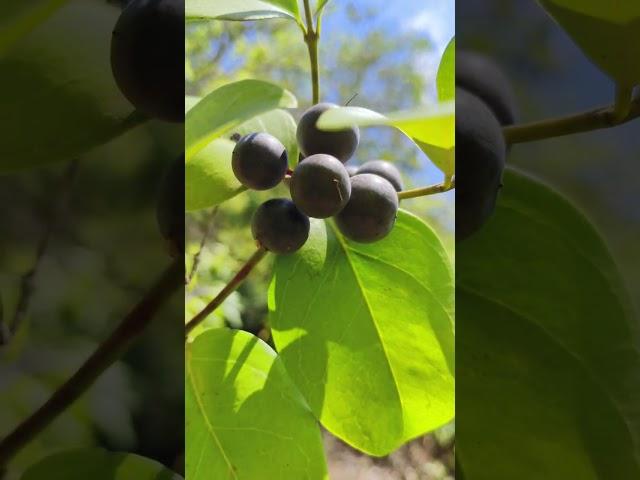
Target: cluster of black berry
x=484 y=103
x=363 y=201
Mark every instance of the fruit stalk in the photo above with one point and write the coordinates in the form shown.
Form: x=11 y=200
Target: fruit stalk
x=235 y=282
x=600 y=118
x=311 y=38
x=131 y=327
x=429 y=190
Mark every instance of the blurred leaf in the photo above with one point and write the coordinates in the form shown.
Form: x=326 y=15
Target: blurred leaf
x=320 y=7
x=245 y=417
x=58 y=96
x=227 y=107
x=242 y=9
x=547 y=346
x=97 y=464
x=19 y=18
x=362 y=329
x=446 y=77
x=278 y=123
x=607 y=32
x=209 y=177
x=431 y=128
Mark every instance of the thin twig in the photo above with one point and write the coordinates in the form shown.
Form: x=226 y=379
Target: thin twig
x=208 y=227
x=233 y=285
x=430 y=190
x=311 y=38
x=596 y=119
x=131 y=327
x=27 y=283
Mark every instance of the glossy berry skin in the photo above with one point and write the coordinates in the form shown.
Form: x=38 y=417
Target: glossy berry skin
x=352 y=170
x=259 y=161
x=279 y=226
x=480 y=161
x=170 y=206
x=481 y=76
x=341 y=144
x=385 y=170
x=320 y=186
x=371 y=211
x=147 y=57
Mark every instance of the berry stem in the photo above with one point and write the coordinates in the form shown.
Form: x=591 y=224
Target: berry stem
x=232 y=286
x=624 y=111
x=429 y=190
x=131 y=327
x=311 y=38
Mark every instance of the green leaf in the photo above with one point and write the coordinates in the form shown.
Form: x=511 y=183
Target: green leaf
x=244 y=417
x=58 y=96
x=608 y=34
x=229 y=106
x=446 y=77
x=20 y=18
x=431 y=128
x=242 y=9
x=209 y=178
x=547 y=346
x=97 y=464
x=366 y=332
x=278 y=123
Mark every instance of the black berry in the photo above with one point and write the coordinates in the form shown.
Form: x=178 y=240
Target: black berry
x=480 y=160
x=279 y=226
x=481 y=76
x=385 y=170
x=341 y=144
x=320 y=186
x=371 y=211
x=147 y=57
x=259 y=161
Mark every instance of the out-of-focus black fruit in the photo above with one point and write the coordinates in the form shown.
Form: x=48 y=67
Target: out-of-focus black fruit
x=279 y=226
x=385 y=170
x=259 y=161
x=320 y=186
x=147 y=57
x=480 y=161
x=170 y=206
x=341 y=144
x=371 y=211
x=481 y=76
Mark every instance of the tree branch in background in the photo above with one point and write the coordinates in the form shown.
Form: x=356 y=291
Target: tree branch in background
x=208 y=227
x=108 y=352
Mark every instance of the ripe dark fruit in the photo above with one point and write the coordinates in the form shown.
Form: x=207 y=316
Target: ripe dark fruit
x=341 y=144
x=320 y=186
x=147 y=57
x=480 y=160
x=371 y=211
x=352 y=170
x=170 y=206
x=479 y=75
x=279 y=226
x=385 y=170
x=259 y=161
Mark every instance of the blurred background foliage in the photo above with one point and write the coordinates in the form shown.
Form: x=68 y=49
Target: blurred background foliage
x=378 y=63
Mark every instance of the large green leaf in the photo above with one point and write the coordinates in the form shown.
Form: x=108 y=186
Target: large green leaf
x=97 y=464
x=229 y=106
x=608 y=33
x=431 y=128
x=446 y=77
x=242 y=9
x=366 y=332
x=19 y=18
x=58 y=96
x=209 y=176
x=245 y=420
x=548 y=358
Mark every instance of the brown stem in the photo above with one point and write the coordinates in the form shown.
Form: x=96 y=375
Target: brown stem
x=203 y=241
x=131 y=327
x=227 y=290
